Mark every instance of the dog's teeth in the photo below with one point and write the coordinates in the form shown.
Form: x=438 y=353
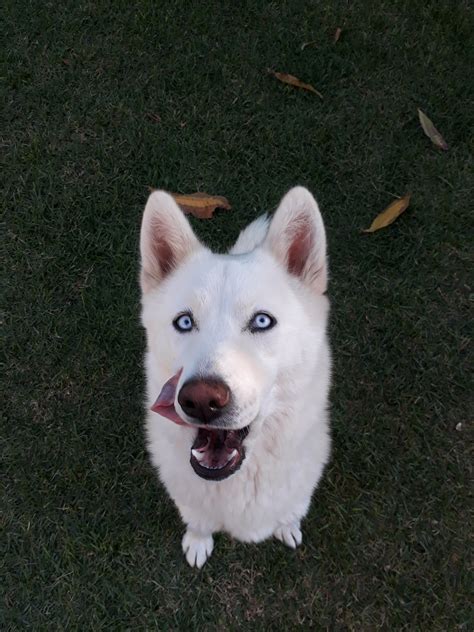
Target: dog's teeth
x=197 y=455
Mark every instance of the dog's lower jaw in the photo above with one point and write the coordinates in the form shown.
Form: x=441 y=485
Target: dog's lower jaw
x=197 y=547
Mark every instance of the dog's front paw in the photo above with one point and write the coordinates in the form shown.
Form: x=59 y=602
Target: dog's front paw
x=197 y=548
x=290 y=534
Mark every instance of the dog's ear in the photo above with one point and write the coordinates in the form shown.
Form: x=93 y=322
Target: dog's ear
x=297 y=238
x=166 y=239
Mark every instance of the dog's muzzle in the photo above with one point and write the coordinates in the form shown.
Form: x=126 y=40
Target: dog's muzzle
x=216 y=453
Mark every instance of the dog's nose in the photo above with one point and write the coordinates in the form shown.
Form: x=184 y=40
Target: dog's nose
x=204 y=399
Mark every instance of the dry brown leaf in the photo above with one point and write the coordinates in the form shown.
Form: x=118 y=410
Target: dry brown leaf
x=431 y=131
x=294 y=81
x=201 y=205
x=337 y=35
x=390 y=214
x=155 y=118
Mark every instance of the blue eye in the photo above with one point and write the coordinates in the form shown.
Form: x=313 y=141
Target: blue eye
x=261 y=321
x=183 y=323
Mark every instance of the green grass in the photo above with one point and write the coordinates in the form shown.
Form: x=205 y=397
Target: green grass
x=91 y=541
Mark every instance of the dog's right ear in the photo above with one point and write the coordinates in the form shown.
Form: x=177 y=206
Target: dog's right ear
x=297 y=238
x=166 y=239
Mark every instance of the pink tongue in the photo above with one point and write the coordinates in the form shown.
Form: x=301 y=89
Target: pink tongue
x=164 y=405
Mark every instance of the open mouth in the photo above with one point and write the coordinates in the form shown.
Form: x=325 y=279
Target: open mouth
x=216 y=453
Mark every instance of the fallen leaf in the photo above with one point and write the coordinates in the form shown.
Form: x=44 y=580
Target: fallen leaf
x=337 y=35
x=201 y=205
x=431 y=131
x=294 y=81
x=390 y=214
x=155 y=118
x=305 y=44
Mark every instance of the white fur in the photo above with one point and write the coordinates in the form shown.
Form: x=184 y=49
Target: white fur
x=251 y=237
x=279 y=378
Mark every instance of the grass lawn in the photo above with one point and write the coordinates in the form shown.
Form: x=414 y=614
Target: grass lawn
x=104 y=99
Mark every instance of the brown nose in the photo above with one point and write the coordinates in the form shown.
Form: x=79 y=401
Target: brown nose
x=204 y=399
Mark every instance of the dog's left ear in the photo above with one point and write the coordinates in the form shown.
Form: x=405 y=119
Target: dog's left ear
x=297 y=238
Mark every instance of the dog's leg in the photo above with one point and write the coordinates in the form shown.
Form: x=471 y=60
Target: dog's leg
x=290 y=534
x=197 y=547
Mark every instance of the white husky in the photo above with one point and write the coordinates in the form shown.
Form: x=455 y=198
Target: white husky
x=238 y=359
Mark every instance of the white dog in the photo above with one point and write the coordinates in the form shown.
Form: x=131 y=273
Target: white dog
x=238 y=359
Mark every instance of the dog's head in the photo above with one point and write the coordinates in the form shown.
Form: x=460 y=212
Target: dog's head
x=231 y=338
